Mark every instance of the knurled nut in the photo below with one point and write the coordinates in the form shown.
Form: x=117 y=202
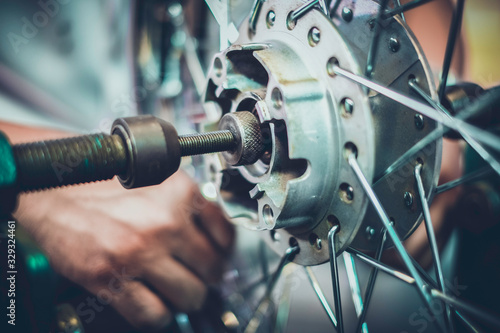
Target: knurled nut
x=246 y=130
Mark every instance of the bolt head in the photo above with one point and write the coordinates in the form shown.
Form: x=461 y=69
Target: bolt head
x=347 y=14
x=408 y=199
x=419 y=121
x=370 y=232
x=394 y=44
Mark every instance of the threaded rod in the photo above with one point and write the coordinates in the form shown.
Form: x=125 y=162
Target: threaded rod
x=206 y=143
x=83 y=159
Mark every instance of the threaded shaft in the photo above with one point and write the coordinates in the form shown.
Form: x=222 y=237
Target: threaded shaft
x=205 y=143
x=83 y=159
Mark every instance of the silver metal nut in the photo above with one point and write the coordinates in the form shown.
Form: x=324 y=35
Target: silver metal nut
x=246 y=130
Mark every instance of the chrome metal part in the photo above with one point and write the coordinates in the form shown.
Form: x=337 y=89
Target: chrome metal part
x=298 y=188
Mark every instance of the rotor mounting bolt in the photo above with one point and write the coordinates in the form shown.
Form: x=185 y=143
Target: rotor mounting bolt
x=370 y=232
x=347 y=14
x=419 y=121
x=394 y=44
x=271 y=18
x=314 y=36
x=408 y=199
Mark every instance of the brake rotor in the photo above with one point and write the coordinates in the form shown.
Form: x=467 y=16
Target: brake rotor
x=281 y=70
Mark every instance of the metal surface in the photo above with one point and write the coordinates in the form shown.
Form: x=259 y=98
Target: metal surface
x=203 y=143
x=245 y=129
x=289 y=190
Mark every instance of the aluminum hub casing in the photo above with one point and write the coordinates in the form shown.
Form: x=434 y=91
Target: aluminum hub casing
x=282 y=71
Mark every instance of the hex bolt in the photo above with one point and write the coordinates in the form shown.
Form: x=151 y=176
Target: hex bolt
x=408 y=199
x=419 y=121
x=347 y=14
x=394 y=44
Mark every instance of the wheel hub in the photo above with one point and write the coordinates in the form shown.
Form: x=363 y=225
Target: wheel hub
x=281 y=70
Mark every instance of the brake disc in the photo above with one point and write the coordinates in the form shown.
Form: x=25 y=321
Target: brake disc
x=281 y=68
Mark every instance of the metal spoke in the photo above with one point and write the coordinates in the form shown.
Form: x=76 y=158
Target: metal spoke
x=319 y=292
x=482 y=103
x=456 y=23
x=485 y=155
x=254 y=14
x=421 y=286
x=397 y=4
x=433 y=284
x=471 y=176
x=334 y=5
x=403 y=8
x=472 y=310
x=264 y=303
x=371 y=284
x=372 y=52
x=432 y=241
x=383 y=267
x=335 y=278
x=454 y=123
x=302 y=10
x=352 y=278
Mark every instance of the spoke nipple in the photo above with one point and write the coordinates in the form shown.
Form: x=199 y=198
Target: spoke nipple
x=270 y=19
x=314 y=36
x=347 y=14
x=408 y=199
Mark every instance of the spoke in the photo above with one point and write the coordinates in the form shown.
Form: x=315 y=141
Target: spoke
x=454 y=123
x=371 y=284
x=456 y=23
x=352 y=278
x=397 y=4
x=324 y=7
x=433 y=284
x=432 y=241
x=319 y=292
x=372 y=52
x=471 y=176
x=482 y=103
x=302 y=10
x=254 y=14
x=403 y=8
x=335 y=278
x=383 y=267
x=473 y=143
x=334 y=5
x=263 y=306
x=472 y=310
x=392 y=233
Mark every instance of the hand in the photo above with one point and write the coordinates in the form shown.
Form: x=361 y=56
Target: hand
x=148 y=252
